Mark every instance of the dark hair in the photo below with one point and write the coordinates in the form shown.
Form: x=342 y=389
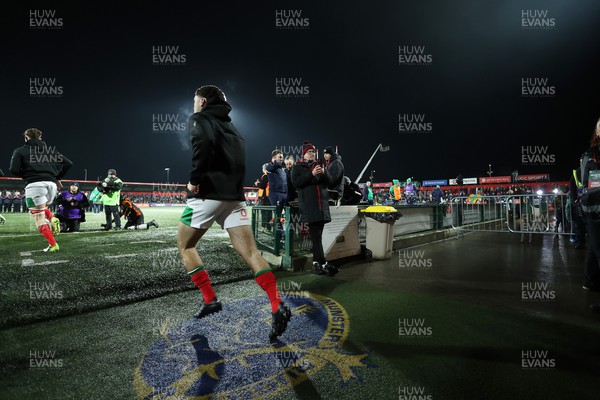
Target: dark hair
x=33 y=133
x=211 y=93
x=595 y=141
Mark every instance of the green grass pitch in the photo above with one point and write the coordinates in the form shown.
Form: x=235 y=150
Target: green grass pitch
x=95 y=269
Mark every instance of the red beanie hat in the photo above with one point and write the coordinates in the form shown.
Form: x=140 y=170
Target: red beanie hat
x=306 y=146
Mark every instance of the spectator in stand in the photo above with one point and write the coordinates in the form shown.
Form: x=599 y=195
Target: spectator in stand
x=409 y=191
x=292 y=196
x=439 y=211
x=97 y=206
x=395 y=192
x=335 y=170
x=263 y=196
x=17 y=201
x=7 y=199
x=277 y=183
x=437 y=195
x=368 y=193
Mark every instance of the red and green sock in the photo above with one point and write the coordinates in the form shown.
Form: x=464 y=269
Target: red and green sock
x=48 y=214
x=267 y=281
x=47 y=232
x=200 y=278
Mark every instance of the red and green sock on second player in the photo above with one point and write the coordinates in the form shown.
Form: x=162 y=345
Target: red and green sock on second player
x=265 y=279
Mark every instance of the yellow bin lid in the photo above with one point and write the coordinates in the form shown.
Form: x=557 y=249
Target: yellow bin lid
x=379 y=209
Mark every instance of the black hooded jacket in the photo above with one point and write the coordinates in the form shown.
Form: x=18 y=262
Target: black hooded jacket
x=218 y=154
x=590 y=199
x=37 y=162
x=335 y=170
x=312 y=192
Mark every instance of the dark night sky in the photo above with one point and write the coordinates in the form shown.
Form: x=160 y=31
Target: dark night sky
x=347 y=56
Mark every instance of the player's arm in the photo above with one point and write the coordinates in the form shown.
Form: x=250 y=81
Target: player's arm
x=16 y=164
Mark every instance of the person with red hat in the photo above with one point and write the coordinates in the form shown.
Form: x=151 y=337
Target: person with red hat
x=310 y=181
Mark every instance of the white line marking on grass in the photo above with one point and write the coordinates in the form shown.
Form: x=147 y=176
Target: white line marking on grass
x=149 y=241
x=122 y=255
x=27 y=262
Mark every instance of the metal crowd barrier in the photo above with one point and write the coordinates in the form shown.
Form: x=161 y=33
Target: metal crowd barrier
x=285 y=235
x=525 y=214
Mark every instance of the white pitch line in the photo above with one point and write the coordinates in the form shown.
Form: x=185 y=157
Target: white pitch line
x=27 y=262
x=149 y=241
x=122 y=255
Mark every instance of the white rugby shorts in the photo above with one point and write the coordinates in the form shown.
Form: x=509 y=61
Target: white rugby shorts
x=38 y=193
x=201 y=213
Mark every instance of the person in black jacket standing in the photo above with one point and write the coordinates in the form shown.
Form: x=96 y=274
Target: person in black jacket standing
x=590 y=203
x=310 y=180
x=291 y=190
x=216 y=194
x=335 y=171
x=42 y=167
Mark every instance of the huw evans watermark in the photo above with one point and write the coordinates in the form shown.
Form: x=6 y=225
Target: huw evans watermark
x=537 y=291
x=413 y=393
x=166 y=259
x=45 y=87
x=44 y=359
x=537 y=359
x=291 y=19
x=537 y=19
x=167 y=326
x=413 y=55
x=45 y=155
x=169 y=123
x=292 y=360
x=414 y=123
x=414 y=327
x=413 y=259
x=537 y=155
x=537 y=88
x=289 y=150
x=161 y=190
x=290 y=290
x=291 y=87
x=44 y=291
x=44 y=19
x=168 y=56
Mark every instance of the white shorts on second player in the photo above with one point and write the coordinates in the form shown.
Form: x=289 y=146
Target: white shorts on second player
x=40 y=193
x=201 y=213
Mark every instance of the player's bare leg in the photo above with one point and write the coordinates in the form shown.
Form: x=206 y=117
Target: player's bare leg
x=187 y=239
x=243 y=242
x=41 y=223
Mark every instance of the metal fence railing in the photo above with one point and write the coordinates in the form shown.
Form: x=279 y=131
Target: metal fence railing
x=526 y=214
x=284 y=234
